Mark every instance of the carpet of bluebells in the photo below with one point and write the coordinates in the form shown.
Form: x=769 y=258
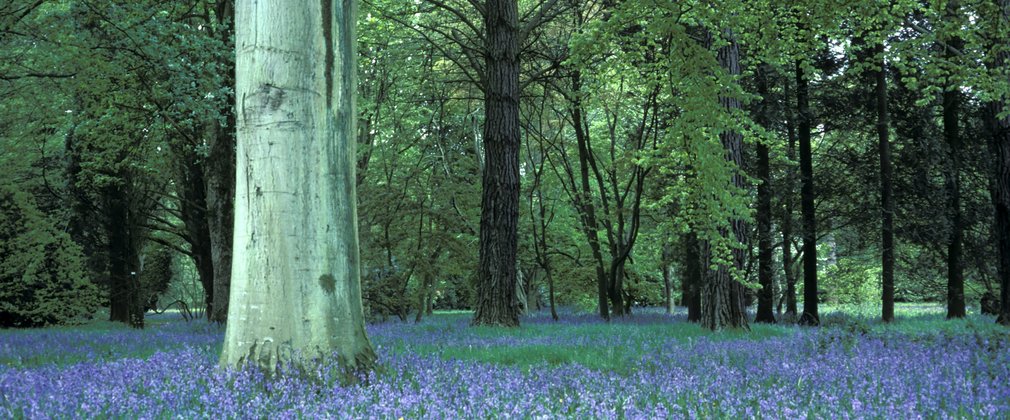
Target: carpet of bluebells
x=441 y=368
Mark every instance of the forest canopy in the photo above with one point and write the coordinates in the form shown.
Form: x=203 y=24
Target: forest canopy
x=747 y=160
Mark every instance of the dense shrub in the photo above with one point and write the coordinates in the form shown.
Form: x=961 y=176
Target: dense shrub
x=155 y=277
x=42 y=276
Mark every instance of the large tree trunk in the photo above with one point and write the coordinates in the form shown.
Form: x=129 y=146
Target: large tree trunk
x=296 y=294
x=722 y=296
x=952 y=183
x=766 y=295
x=220 y=180
x=1001 y=179
x=124 y=270
x=886 y=189
x=810 y=315
x=499 y=208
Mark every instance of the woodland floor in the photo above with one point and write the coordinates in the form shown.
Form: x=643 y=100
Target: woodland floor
x=649 y=365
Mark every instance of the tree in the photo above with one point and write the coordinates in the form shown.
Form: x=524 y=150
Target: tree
x=496 y=302
x=766 y=295
x=722 y=295
x=219 y=174
x=886 y=186
x=296 y=293
x=952 y=175
x=810 y=315
x=999 y=116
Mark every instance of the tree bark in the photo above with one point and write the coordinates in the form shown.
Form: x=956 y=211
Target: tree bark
x=691 y=281
x=952 y=182
x=886 y=188
x=1001 y=178
x=722 y=296
x=496 y=274
x=193 y=208
x=787 y=217
x=220 y=180
x=590 y=225
x=810 y=315
x=296 y=295
x=667 y=267
x=766 y=295
x=124 y=269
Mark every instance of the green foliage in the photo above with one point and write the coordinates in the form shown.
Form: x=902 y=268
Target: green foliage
x=852 y=281
x=42 y=278
x=156 y=276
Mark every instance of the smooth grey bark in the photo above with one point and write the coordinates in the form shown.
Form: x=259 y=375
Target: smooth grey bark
x=296 y=291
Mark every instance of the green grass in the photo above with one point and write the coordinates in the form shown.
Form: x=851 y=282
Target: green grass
x=590 y=345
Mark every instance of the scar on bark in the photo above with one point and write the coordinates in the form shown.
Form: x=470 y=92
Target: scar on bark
x=271 y=96
x=328 y=283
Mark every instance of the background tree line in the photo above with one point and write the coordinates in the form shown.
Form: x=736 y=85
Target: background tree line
x=614 y=154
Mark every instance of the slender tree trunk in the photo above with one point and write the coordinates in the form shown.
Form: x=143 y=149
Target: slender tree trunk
x=667 y=267
x=886 y=189
x=423 y=294
x=195 y=219
x=1001 y=178
x=691 y=281
x=585 y=198
x=296 y=295
x=766 y=295
x=952 y=181
x=722 y=296
x=810 y=315
x=496 y=275
x=787 y=217
x=220 y=180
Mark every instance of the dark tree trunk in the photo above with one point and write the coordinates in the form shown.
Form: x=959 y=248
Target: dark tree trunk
x=124 y=289
x=766 y=295
x=810 y=315
x=496 y=274
x=787 y=217
x=667 y=267
x=1001 y=178
x=886 y=189
x=722 y=296
x=952 y=182
x=1001 y=137
x=193 y=208
x=615 y=287
x=691 y=281
x=550 y=295
x=220 y=178
x=423 y=295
